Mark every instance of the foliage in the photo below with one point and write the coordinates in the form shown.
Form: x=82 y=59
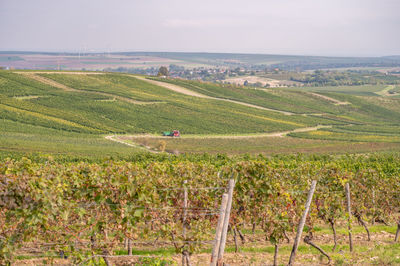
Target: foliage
x=346 y=78
x=91 y=207
x=163 y=71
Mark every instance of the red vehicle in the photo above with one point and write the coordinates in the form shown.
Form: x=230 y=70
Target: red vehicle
x=174 y=133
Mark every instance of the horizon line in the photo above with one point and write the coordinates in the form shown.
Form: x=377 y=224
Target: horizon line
x=180 y=52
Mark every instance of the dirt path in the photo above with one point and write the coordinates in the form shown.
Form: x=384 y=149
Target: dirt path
x=174 y=88
x=385 y=91
x=123 y=138
x=115 y=138
x=185 y=91
x=335 y=101
x=47 y=81
x=56 y=84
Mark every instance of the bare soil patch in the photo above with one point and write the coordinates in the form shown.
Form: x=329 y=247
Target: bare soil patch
x=260 y=257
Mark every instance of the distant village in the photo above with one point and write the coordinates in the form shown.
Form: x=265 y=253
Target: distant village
x=245 y=76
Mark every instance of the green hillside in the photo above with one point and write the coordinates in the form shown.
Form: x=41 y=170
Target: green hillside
x=66 y=112
x=301 y=101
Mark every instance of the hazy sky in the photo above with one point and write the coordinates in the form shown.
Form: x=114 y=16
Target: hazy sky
x=311 y=27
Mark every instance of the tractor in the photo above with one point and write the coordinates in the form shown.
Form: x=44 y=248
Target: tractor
x=173 y=133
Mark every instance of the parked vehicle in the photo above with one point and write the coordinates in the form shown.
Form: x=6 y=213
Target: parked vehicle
x=173 y=133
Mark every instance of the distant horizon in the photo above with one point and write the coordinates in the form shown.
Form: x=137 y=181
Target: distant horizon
x=331 y=28
x=190 y=52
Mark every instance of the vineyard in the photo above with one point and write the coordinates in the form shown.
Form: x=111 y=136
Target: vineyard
x=92 y=106
x=77 y=110
x=96 y=213
x=298 y=101
x=259 y=145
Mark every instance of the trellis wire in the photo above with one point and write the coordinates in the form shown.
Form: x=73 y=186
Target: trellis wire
x=111 y=242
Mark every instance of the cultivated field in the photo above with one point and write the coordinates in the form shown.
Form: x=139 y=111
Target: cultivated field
x=78 y=109
x=259 y=145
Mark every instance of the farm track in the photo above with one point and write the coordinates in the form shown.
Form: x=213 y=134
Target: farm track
x=114 y=138
x=121 y=139
x=385 y=91
x=335 y=101
x=55 y=84
x=188 y=92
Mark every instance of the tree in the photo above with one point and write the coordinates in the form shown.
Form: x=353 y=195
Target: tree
x=163 y=71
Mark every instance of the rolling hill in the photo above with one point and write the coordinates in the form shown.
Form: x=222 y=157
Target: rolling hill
x=72 y=112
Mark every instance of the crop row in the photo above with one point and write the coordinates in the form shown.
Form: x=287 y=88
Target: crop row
x=279 y=99
x=85 y=111
x=97 y=206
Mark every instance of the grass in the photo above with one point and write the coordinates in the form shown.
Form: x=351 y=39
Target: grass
x=371 y=129
x=341 y=135
x=360 y=230
x=376 y=254
x=20 y=138
x=373 y=254
x=362 y=90
x=159 y=251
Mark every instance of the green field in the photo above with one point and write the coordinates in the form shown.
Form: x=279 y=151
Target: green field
x=262 y=145
x=71 y=113
x=362 y=90
x=300 y=102
x=19 y=139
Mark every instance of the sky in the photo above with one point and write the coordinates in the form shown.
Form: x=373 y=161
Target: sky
x=295 y=27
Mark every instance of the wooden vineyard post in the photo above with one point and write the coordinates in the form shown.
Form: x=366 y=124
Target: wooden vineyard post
x=373 y=205
x=276 y=250
x=397 y=232
x=348 y=205
x=185 y=205
x=218 y=231
x=129 y=247
x=302 y=222
x=226 y=222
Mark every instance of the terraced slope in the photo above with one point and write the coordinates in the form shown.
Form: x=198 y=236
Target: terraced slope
x=341 y=106
x=192 y=115
x=74 y=111
x=281 y=100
